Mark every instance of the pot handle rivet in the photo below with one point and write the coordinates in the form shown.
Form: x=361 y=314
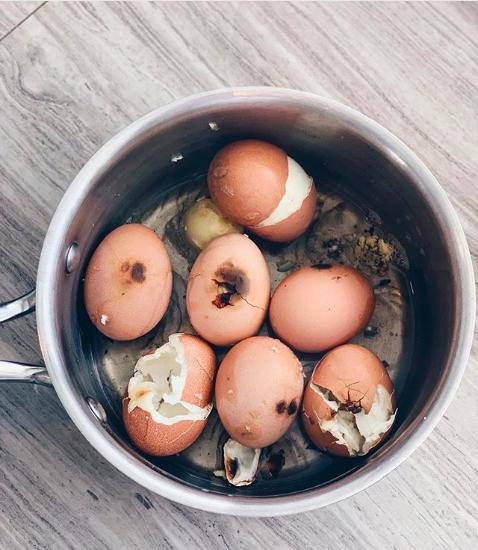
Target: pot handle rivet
x=72 y=260
x=97 y=409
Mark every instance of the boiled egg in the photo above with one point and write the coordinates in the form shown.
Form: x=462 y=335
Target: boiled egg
x=256 y=184
x=314 y=309
x=228 y=290
x=168 y=399
x=128 y=282
x=258 y=391
x=349 y=402
x=203 y=222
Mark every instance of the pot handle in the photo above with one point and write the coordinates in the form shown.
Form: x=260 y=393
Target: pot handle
x=12 y=371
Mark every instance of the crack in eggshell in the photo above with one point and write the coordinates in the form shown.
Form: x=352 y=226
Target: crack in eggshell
x=359 y=431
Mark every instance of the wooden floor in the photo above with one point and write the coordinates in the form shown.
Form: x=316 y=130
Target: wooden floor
x=71 y=75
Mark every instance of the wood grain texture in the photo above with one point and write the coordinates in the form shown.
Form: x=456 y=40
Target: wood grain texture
x=13 y=15
x=73 y=74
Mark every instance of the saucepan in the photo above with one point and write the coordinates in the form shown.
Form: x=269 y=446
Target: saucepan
x=164 y=155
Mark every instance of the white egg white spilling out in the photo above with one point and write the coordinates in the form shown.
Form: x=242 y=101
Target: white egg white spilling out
x=297 y=189
x=240 y=463
x=358 y=431
x=158 y=383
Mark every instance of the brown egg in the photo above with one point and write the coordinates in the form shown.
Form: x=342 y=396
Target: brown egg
x=228 y=290
x=349 y=402
x=128 y=282
x=256 y=184
x=316 y=309
x=258 y=391
x=168 y=399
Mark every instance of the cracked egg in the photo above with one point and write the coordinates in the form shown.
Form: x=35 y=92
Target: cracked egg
x=349 y=403
x=168 y=399
x=128 y=282
x=228 y=290
x=258 y=391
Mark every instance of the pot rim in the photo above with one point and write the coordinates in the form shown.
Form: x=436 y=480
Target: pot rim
x=112 y=450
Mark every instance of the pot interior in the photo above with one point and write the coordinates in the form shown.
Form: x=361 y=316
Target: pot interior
x=164 y=169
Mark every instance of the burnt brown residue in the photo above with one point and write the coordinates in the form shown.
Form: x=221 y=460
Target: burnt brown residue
x=281 y=407
x=353 y=406
x=236 y=278
x=275 y=463
x=125 y=267
x=225 y=292
x=231 y=466
x=292 y=408
x=334 y=247
x=138 y=272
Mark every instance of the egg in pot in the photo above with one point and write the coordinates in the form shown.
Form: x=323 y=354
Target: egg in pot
x=349 y=403
x=168 y=399
x=316 y=309
x=128 y=282
x=228 y=290
x=203 y=222
x=256 y=184
x=258 y=391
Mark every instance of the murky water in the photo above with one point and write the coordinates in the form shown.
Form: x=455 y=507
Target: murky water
x=341 y=233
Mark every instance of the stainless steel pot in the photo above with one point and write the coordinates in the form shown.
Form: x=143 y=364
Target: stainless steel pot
x=141 y=162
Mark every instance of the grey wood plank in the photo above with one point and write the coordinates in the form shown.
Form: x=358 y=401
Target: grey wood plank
x=12 y=14
x=70 y=77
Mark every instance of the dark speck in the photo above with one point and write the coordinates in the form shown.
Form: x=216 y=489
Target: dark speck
x=275 y=463
x=322 y=266
x=281 y=407
x=144 y=501
x=137 y=272
x=386 y=364
x=292 y=408
x=92 y=495
x=231 y=467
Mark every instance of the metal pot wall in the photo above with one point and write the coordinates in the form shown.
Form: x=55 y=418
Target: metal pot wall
x=137 y=166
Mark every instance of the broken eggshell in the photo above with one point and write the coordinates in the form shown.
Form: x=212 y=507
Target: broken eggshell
x=168 y=399
x=240 y=463
x=203 y=222
x=258 y=391
x=349 y=403
x=228 y=290
x=258 y=185
x=128 y=282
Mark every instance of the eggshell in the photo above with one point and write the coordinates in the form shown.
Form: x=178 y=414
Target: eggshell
x=256 y=184
x=352 y=374
x=258 y=391
x=128 y=282
x=235 y=260
x=316 y=309
x=159 y=439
